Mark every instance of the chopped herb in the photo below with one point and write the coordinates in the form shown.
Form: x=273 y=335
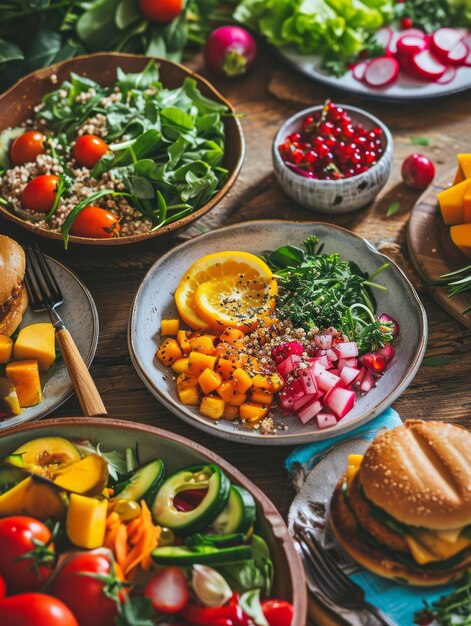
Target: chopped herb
x=393 y=209
x=453 y=609
x=419 y=141
x=457 y=282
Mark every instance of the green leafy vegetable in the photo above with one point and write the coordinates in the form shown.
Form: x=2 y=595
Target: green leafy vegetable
x=419 y=141
x=322 y=290
x=256 y=573
x=393 y=209
x=430 y=16
x=453 y=609
x=457 y=282
x=436 y=361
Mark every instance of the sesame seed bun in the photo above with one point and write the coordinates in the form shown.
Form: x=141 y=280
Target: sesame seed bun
x=420 y=473
x=13 y=297
x=382 y=561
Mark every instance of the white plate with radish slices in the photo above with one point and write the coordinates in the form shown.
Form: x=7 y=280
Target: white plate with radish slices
x=155 y=302
x=415 y=66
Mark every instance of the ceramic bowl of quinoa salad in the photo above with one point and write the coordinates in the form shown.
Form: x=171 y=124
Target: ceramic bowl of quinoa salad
x=112 y=149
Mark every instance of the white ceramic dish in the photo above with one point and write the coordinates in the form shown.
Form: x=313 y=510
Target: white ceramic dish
x=334 y=196
x=154 y=301
x=405 y=89
x=81 y=318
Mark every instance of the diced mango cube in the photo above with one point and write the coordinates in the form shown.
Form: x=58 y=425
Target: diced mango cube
x=226 y=367
x=252 y=412
x=242 y=380
x=187 y=380
x=212 y=407
x=232 y=336
x=183 y=341
x=169 y=327
x=230 y=412
x=181 y=365
x=6 y=348
x=36 y=341
x=461 y=237
x=86 y=521
x=209 y=380
x=261 y=396
x=272 y=383
x=451 y=203
x=203 y=344
x=189 y=396
x=25 y=378
x=199 y=362
x=169 y=352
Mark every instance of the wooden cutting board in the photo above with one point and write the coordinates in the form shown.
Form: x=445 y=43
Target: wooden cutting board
x=432 y=251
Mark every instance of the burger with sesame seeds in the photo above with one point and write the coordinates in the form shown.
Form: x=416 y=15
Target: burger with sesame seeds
x=403 y=510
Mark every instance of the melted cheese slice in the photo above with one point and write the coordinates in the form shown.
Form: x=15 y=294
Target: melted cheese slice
x=427 y=546
x=354 y=462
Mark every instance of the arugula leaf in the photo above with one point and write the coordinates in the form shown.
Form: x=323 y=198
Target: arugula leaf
x=393 y=209
x=149 y=77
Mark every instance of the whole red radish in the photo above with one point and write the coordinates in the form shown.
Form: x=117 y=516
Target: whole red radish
x=417 y=171
x=230 y=51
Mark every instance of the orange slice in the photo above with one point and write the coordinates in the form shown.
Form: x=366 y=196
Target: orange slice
x=227 y=269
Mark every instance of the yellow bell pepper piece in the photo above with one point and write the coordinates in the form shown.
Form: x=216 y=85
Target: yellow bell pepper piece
x=86 y=521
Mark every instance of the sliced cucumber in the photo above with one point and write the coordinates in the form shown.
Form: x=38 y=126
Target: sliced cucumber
x=238 y=515
x=208 y=477
x=9 y=477
x=143 y=483
x=180 y=555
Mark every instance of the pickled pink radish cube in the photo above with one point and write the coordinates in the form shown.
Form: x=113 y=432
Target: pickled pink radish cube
x=360 y=377
x=298 y=404
x=323 y=360
x=286 y=401
x=288 y=365
x=347 y=362
x=335 y=371
x=326 y=381
x=308 y=382
x=325 y=420
x=309 y=411
x=368 y=382
x=284 y=350
x=323 y=341
x=348 y=374
x=346 y=350
x=317 y=367
x=340 y=401
x=332 y=356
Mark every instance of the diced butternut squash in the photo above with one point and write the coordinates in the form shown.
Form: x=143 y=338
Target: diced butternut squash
x=226 y=367
x=464 y=168
x=183 y=341
x=199 y=362
x=169 y=352
x=242 y=380
x=212 y=407
x=467 y=206
x=25 y=377
x=251 y=412
x=189 y=396
x=203 y=344
x=230 y=395
x=86 y=521
x=187 y=381
x=87 y=477
x=261 y=396
x=272 y=383
x=231 y=412
x=451 y=203
x=209 y=380
x=6 y=348
x=181 y=365
x=232 y=336
x=461 y=237
x=36 y=341
x=169 y=327
x=238 y=398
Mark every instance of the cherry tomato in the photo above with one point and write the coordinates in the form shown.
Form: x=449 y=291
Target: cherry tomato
x=26 y=147
x=35 y=609
x=85 y=595
x=40 y=193
x=21 y=536
x=417 y=171
x=161 y=11
x=89 y=149
x=278 y=612
x=168 y=590
x=94 y=221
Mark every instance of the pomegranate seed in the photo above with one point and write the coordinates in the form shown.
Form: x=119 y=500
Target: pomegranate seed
x=326 y=128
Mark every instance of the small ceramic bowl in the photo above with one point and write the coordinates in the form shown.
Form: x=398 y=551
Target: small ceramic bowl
x=334 y=196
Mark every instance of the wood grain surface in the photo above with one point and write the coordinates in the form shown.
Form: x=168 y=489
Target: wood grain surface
x=432 y=251
x=265 y=98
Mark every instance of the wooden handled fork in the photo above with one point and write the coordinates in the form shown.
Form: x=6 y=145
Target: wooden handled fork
x=45 y=294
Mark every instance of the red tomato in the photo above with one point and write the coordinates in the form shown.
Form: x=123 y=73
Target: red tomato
x=94 y=221
x=278 y=612
x=3 y=587
x=168 y=590
x=89 y=149
x=26 y=147
x=85 y=595
x=40 y=193
x=161 y=11
x=20 y=536
x=35 y=609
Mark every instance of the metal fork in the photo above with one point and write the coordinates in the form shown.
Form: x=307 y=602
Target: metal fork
x=331 y=580
x=44 y=294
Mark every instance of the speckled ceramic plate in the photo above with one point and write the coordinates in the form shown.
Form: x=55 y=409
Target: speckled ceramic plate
x=154 y=302
x=81 y=318
x=178 y=452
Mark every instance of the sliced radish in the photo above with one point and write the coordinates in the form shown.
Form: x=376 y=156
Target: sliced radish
x=392 y=47
x=309 y=411
x=322 y=360
x=288 y=365
x=298 y=404
x=326 y=381
x=444 y=40
x=359 y=379
x=467 y=42
x=359 y=70
x=340 y=401
x=348 y=374
x=448 y=76
x=383 y=37
x=459 y=54
x=325 y=420
x=346 y=350
x=307 y=380
x=382 y=72
x=331 y=355
x=368 y=382
x=426 y=66
x=283 y=351
x=408 y=45
x=347 y=363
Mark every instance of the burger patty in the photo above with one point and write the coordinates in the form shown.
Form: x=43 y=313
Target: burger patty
x=381 y=532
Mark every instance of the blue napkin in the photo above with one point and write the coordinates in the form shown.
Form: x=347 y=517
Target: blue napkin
x=399 y=602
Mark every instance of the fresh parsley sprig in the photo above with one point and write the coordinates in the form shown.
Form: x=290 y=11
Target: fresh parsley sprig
x=453 y=609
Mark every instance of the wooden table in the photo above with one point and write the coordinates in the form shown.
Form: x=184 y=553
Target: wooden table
x=265 y=98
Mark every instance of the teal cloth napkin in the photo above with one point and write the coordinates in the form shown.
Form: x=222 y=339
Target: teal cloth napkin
x=399 y=602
